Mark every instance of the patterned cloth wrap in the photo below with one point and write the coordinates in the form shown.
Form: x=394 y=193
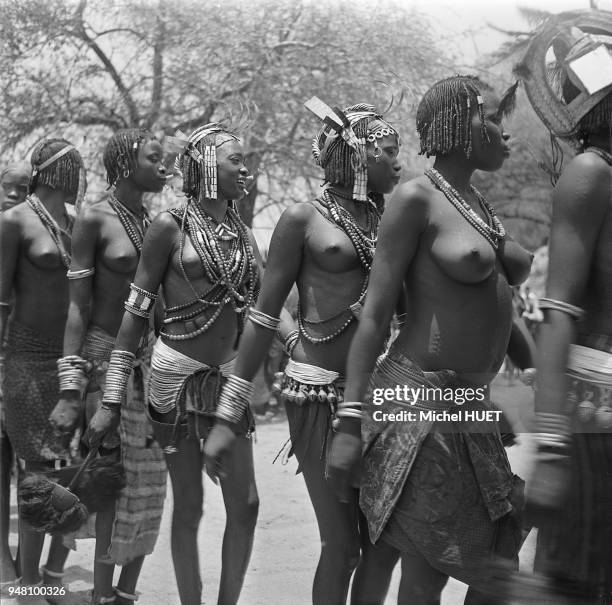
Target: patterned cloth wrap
x=139 y=509
x=183 y=394
x=576 y=545
x=444 y=491
x=311 y=395
x=31 y=392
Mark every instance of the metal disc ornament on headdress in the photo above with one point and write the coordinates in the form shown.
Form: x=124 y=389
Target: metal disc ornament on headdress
x=581 y=42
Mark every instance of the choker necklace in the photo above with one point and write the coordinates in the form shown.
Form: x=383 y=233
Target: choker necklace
x=493 y=231
x=604 y=155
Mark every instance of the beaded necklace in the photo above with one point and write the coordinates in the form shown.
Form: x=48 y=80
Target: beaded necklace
x=50 y=224
x=134 y=228
x=364 y=242
x=233 y=274
x=604 y=155
x=493 y=231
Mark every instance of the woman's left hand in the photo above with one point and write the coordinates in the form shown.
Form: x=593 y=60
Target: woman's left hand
x=216 y=448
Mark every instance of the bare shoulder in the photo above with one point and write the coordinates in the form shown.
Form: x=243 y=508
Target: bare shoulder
x=93 y=215
x=295 y=219
x=411 y=201
x=584 y=186
x=11 y=224
x=163 y=225
x=298 y=214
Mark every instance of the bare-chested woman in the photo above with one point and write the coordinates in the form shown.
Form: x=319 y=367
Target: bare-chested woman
x=14 y=184
x=325 y=247
x=107 y=243
x=35 y=254
x=435 y=492
x=207 y=263
x=570 y=495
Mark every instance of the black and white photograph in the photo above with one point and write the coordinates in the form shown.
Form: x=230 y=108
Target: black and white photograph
x=306 y=302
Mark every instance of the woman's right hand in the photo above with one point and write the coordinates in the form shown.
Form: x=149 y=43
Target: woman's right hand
x=103 y=421
x=66 y=414
x=345 y=458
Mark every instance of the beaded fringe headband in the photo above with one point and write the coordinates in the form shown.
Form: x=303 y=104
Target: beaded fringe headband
x=581 y=42
x=338 y=123
x=207 y=159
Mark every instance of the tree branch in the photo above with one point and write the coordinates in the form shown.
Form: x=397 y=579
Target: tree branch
x=81 y=33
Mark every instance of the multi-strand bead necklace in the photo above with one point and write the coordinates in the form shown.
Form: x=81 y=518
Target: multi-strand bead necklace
x=493 y=232
x=134 y=227
x=364 y=242
x=233 y=273
x=50 y=224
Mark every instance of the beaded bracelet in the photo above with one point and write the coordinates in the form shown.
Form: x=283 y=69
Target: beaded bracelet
x=263 y=319
x=140 y=301
x=350 y=409
x=234 y=399
x=81 y=274
x=560 y=305
x=72 y=373
x=117 y=376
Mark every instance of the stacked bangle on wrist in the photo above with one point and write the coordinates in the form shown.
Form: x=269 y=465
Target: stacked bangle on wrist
x=350 y=409
x=234 y=399
x=117 y=376
x=72 y=373
x=553 y=431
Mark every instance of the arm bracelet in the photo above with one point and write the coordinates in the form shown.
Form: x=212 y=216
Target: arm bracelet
x=81 y=274
x=117 y=376
x=234 y=399
x=140 y=302
x=553 y=431
x=263 y=319
x=350 y=409
x=291 y=340
x=560 y=305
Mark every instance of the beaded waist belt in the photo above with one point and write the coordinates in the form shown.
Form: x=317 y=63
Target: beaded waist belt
x=303 y=383
x=589 y=396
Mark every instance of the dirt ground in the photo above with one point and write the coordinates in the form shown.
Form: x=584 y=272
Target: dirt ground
x=286 y=540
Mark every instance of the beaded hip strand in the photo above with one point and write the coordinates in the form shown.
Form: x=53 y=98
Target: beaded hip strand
x=54 y=230
x=492 y=232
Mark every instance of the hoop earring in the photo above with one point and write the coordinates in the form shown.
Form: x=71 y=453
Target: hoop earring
x=124 y=167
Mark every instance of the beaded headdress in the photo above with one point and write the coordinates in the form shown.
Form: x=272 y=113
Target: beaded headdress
x=340 y=146
x=198 y=161
x=61 y=170
x=573 y=93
